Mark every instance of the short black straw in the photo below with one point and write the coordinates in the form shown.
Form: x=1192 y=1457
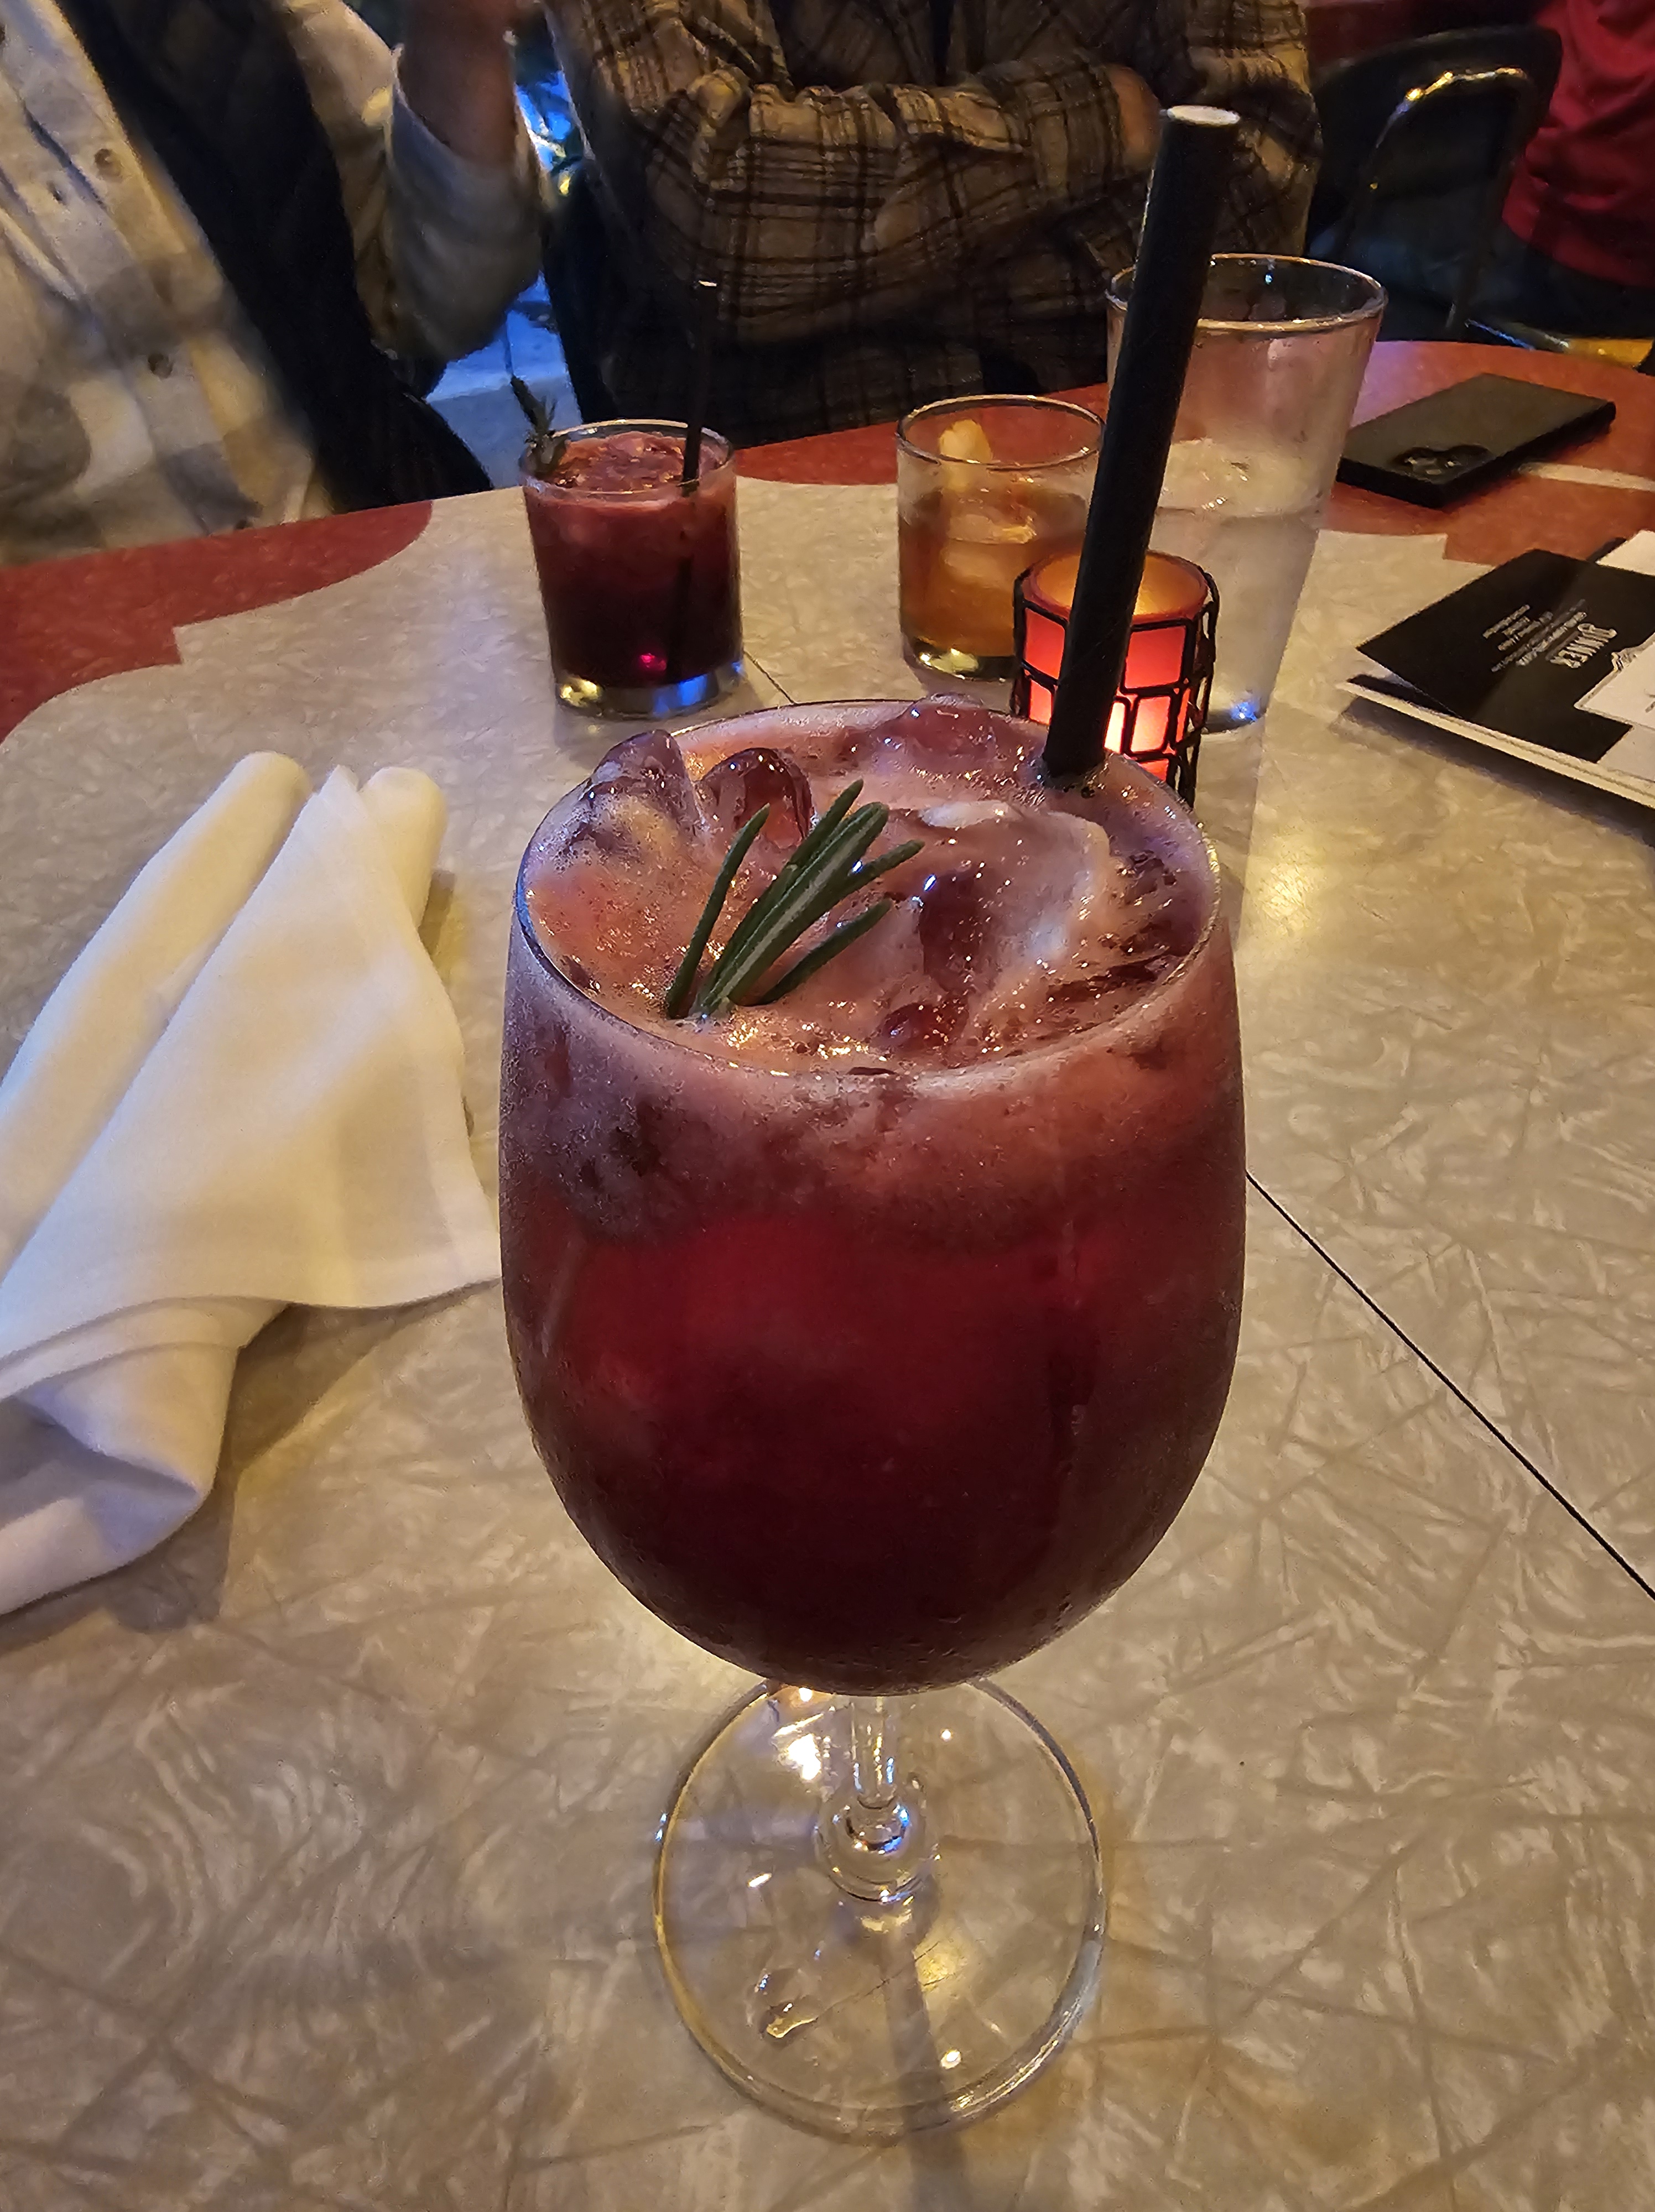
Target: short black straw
x=1163 y=308
x=703 y=305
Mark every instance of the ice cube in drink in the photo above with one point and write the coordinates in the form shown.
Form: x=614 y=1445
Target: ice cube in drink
x=961 y=554
x=1249 y=516
x=874 y=1335
x=638 y=573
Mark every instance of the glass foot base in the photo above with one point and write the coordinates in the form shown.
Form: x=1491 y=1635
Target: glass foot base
x=954 y=660
x=1235 y=713
x=620 y=702
x=873 y=2020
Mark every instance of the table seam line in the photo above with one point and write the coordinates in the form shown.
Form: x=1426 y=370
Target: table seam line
x=754 y=661
x=1461 y=1396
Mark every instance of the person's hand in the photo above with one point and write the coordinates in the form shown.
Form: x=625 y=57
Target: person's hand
x=1140 y=115
x=465 y=21
x=456 y=74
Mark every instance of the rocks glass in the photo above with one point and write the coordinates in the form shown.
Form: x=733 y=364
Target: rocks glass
x=639 y=572
x=986 y=488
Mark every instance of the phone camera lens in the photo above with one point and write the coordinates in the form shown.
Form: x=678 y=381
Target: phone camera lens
x=1433 y=463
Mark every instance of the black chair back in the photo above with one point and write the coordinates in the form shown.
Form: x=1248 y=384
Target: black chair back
x=1421 y=140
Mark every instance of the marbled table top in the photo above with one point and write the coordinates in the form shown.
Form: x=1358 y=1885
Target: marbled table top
x=326 y=1832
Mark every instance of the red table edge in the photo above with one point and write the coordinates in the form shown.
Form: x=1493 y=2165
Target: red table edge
x=65 y=623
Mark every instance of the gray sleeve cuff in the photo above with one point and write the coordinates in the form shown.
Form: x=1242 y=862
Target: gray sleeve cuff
x=460 y=195
x=466 y=235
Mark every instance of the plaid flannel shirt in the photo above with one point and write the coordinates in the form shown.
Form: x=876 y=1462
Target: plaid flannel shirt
x=137 y=401
x=883 y=231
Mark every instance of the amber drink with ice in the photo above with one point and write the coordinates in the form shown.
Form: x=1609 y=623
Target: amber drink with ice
x=986 y=488
x=871 y=1337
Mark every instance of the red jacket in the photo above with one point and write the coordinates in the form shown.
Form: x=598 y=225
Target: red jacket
x=1584 y=190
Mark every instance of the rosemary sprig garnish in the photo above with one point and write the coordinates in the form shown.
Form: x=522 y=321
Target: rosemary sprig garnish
x=829 y=863
x=682 y=987
x=804 y=855
x=835 y=941
x=546 y=445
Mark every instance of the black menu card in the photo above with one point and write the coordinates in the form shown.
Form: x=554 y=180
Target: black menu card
x=1516 y=652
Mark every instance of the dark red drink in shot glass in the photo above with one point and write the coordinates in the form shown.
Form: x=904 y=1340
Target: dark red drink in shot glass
x=639 y=573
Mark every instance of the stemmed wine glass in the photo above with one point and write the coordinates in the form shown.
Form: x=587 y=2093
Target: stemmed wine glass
x=873 y=1378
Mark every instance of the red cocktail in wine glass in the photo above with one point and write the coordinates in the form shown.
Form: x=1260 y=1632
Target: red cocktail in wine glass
x=871 y=1336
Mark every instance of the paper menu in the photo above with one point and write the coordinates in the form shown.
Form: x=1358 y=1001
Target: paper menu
x=1510 y=660
x=1519 y=649
x=1628 y=694
x=1636 y=552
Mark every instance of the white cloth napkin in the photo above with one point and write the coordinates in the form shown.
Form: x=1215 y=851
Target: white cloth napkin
x=244 y=1094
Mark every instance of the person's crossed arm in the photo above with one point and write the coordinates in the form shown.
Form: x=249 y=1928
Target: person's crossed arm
x=821 y=209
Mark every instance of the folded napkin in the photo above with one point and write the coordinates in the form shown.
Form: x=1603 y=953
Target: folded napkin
x=244 y=1094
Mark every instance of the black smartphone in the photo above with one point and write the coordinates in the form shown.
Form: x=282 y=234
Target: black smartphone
x=1461 y=439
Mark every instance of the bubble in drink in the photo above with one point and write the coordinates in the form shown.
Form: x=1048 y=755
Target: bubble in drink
x=873 y=1336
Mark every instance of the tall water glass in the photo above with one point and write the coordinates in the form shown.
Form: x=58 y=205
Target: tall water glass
x=1278 y=361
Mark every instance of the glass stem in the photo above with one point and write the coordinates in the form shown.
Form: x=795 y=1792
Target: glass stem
x=871 y=1834
x=873 y=1768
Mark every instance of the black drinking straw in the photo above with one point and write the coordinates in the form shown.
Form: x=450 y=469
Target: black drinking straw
x=703 y=305
x=703 y=308
x=1163 y=308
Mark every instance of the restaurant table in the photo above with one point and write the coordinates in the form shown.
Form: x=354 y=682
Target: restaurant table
x=326 y=1832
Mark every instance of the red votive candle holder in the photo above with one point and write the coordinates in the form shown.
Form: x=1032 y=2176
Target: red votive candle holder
x=1157 y=714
